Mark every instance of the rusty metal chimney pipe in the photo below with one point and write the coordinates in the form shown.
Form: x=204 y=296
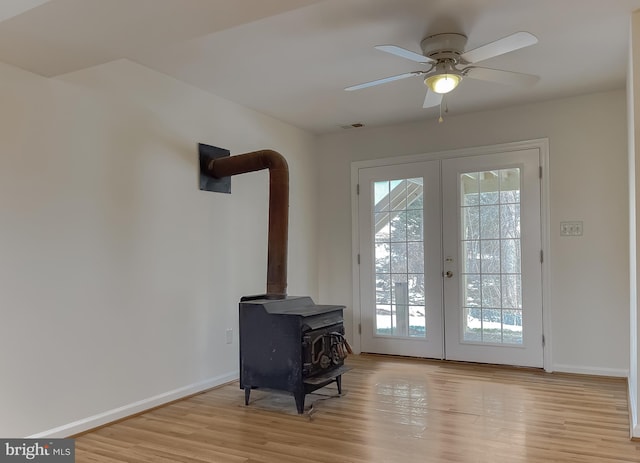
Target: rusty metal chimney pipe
x=278 y=208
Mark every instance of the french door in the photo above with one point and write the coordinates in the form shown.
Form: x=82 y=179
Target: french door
x=400 y=275
x=450 y=259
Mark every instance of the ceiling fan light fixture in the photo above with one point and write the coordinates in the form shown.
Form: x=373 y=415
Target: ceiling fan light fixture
x=443 y=83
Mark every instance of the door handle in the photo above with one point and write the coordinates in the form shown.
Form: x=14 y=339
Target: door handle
x=448 y=274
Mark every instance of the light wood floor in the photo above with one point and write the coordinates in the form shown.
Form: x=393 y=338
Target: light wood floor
x=391 y=410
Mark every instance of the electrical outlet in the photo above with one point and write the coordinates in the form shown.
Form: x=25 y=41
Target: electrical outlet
x=229 y=335
x=571 y=228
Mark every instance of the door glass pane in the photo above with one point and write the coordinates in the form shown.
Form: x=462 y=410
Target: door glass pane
x=490 y=248
x=399 y=258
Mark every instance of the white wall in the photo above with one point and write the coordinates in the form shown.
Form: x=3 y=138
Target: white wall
x=118 y=277
x=588 y=166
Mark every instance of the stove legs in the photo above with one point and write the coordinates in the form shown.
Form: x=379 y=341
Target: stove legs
x=299 y=396
x=247 y=393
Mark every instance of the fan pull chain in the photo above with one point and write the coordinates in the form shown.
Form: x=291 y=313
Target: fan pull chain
x=446 y=108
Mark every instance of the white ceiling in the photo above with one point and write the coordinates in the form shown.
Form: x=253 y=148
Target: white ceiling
x=291 y=59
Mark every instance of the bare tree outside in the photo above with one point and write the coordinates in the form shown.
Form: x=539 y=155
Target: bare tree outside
x=491 y=254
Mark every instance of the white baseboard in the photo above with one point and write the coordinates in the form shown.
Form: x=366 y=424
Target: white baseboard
x=595 y=371
x=136 y=407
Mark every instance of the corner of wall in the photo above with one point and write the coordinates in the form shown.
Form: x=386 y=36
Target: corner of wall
x=633 y=230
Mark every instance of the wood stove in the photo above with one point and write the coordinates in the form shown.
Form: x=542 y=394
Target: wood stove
x=286 y=343
x=290 y=345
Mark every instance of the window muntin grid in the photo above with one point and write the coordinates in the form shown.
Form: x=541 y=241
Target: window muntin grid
x=490 y=247
x=398 y=218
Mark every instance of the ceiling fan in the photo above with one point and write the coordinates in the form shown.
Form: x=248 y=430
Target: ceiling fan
x=449 y=63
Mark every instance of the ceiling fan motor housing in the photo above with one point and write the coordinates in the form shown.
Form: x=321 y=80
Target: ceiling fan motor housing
x=447 y=46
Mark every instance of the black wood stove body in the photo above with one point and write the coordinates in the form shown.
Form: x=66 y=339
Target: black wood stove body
x=291 y=345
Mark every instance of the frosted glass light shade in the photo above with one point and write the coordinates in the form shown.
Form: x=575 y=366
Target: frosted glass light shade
x=442 y=83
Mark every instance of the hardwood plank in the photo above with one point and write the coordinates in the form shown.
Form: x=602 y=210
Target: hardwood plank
x=392 y=409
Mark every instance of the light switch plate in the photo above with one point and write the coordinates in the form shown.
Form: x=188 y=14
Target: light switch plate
x=571 y=228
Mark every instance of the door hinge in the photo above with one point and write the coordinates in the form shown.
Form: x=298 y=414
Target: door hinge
x=357 y=188
x=541 y=256
x=359 y=328
x=543 y=341
x=358 y=259
x=540 y=172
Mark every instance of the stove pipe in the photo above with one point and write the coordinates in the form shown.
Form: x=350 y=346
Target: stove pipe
x=278 y=208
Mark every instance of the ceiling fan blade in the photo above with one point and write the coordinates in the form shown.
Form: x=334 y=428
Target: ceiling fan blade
x=404 y=53
x=502 y=77
x=383 y=81
x=499 y=47
x=432 y=99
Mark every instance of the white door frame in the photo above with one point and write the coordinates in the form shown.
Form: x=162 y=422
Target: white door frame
x=542 y=144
